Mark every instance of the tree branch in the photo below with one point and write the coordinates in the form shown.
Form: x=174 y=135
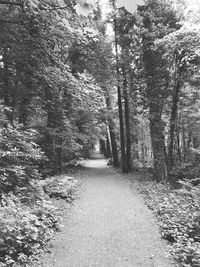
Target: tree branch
x=9 y=21
x=4 y=2
x=10 y=3
x=54 y=8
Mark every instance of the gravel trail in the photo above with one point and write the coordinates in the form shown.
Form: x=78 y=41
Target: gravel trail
x=108 y=225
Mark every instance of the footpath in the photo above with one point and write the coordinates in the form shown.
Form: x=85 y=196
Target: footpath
x=108 y=225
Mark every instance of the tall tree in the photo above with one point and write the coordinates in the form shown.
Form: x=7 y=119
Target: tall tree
x=158 y=19
x=125 y=23
x=119 y=91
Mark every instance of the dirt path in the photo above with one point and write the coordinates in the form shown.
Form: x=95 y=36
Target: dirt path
x=108 y=225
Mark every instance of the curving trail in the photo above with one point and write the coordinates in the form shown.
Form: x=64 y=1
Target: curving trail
x=108 y=225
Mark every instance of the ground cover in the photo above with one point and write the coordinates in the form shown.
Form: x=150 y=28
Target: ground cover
x=178 y=214
x=29 y=219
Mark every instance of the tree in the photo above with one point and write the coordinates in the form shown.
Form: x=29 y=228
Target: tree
x=43 y=73
x=158 y=19
x=125 y=23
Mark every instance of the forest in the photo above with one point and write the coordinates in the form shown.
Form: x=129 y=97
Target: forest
x=74 y=73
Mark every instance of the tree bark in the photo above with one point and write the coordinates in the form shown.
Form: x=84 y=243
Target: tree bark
x=173 y=120
x=180 y=67
x=103 y=147
x=155 y=101
x=59 y=151
x=112 y=130
x=108 y=145
x=196 y=145
x=122 y=138
x=53 y=140
x=184 y=143
x=158 y=144
x=127 y=120
x=23 y=111
x=6 y=86
x=11 y=3
x=121 y=120
x=155 y=91
x=25 y=99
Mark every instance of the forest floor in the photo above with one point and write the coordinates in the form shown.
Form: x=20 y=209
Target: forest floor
x=108 y=224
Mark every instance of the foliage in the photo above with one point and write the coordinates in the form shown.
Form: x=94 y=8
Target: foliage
x=45 y=73
x=58 y=78
x=29 y=218
x=19 y=157
x=50 y=102
x=178 y=215
x=62 y=187
x=162 y=44
x=27 y=223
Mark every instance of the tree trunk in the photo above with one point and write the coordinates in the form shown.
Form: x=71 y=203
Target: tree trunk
x=180 y=67
x=6 y=86
x=158 y=144
x=184 y=144
x=59 y=155
x=103 y=147
x=196 y=145
x=114 y=148
x=179 y=154
x=51 y=135
x=173 y=120
x=127 y=120
x=23 y=111
x=122 y=138
x=155 y=100
x=108 y=145
x=112 y=129
x=121 y=120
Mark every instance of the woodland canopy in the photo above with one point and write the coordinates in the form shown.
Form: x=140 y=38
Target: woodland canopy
x=65 y=85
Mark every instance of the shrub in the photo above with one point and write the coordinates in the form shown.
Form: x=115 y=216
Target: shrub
x=178 y=212
x=25 y=228
x=19 y=157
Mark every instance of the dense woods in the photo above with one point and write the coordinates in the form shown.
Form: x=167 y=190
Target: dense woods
x=67 y=82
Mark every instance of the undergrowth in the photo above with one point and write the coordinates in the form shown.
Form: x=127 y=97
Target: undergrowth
x=29 y=218
x=178 y=213
x=62 y=187
x=27 y=222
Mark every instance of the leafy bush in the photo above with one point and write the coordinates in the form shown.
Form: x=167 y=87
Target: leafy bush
x=28 y=218
x=19 y=157
x=61 y=187
x=25 y=227
x=178 y=212
x=184 y=171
